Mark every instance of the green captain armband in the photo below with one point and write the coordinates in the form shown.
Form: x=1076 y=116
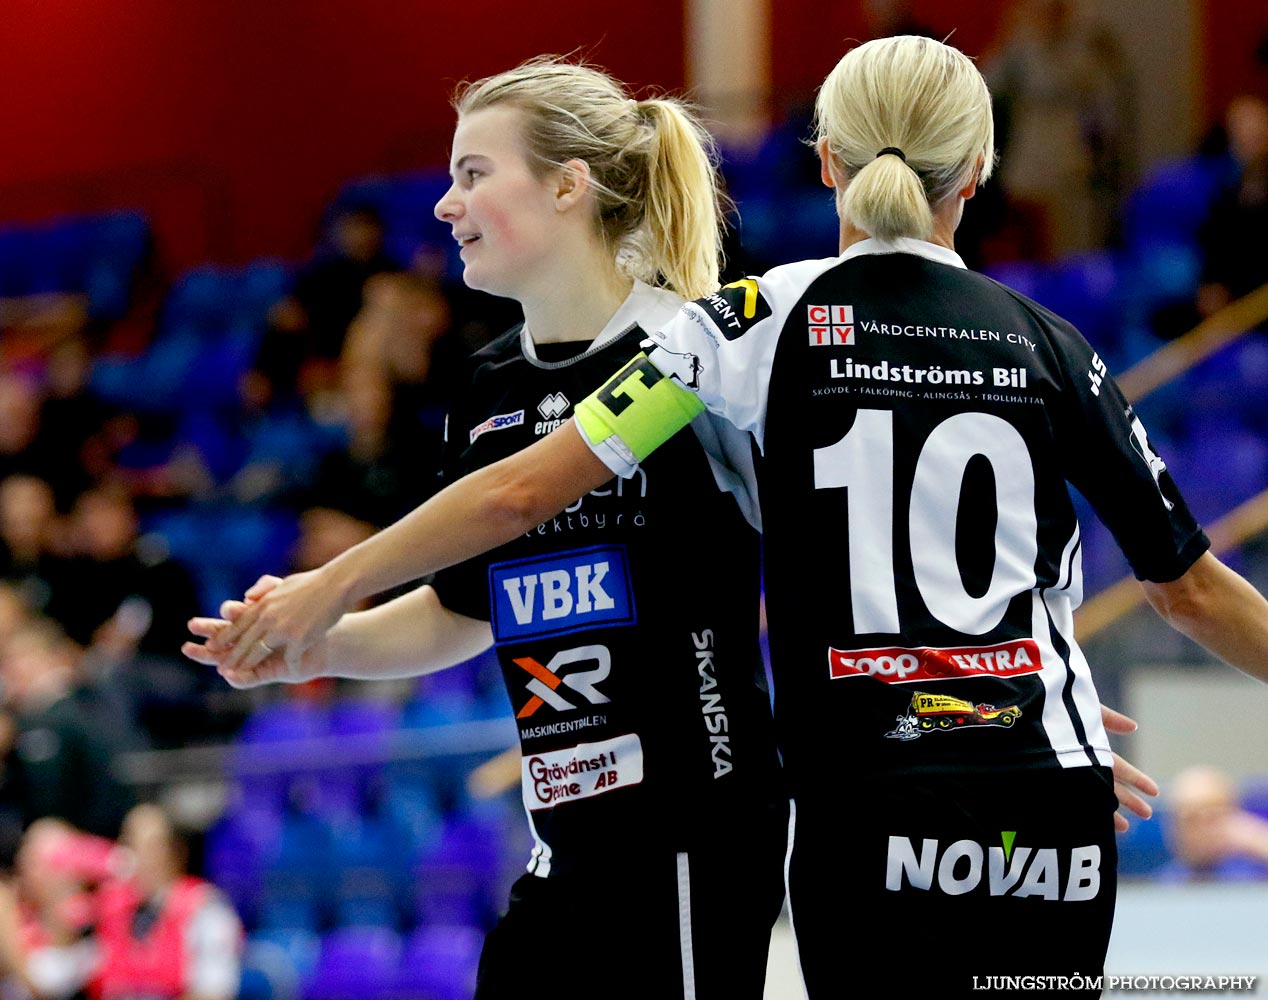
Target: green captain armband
x=641 y=406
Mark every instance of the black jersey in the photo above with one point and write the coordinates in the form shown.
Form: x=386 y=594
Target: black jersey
x=626 y=627
x=919 y=424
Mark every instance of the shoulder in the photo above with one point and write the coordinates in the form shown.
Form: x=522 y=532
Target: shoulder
x=1043 y=317
x=757 y=301
x=654 y=307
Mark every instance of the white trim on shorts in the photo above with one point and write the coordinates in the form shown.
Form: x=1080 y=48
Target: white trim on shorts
x=792 y=924
x=684 y=928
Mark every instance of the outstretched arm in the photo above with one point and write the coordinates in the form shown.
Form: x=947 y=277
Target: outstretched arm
x=478 y=512
x=1219 y=610
x=411 y=635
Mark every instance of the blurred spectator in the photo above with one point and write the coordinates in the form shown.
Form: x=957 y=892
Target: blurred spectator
x=129 y=923
x=162 y=932
x=405 y=331
x=128 y=606
x=61 y=756
x=306 y=329
x=1233 y=259
x=1209 y=834
x=76 y=424
x=378 y=477
x=1064 y=106
x=48 y=912
x=19 y=425
x=33 y=553
x=127 y=585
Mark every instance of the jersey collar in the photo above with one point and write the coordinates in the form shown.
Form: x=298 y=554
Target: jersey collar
x=643 y=302
x=905 y=244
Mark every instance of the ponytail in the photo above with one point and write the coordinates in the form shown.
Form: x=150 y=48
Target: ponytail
x=886 y=200
x=682 y=214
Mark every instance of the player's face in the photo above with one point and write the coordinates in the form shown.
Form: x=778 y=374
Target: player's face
x=503 y=214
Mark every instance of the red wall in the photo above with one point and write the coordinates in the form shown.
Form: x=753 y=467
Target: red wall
x=233 y=121
x=809 y=36
x=1230 y=33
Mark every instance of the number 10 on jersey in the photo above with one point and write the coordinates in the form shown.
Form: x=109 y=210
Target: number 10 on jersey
x=862 y=461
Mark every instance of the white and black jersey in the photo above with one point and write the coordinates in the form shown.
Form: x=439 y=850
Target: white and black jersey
x=626 y=627
x=919 y=424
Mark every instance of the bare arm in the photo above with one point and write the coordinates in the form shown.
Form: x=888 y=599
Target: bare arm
x=1220 y=611
x=478 y=512
x=411 y=635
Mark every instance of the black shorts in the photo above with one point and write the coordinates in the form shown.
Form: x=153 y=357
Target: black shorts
x=694 y=926
x=939 y=882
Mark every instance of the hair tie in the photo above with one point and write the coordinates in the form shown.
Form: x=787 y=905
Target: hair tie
x=895 y=150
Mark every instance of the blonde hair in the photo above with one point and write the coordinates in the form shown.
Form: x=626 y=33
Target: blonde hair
x=651 y=165
x=912 y=94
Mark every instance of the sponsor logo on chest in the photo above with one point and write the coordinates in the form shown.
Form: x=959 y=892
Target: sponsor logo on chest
x=567 y=591
x=500 y=422
x=830 y=325
x=552 y=410
x=581 y=772
x=902 y=665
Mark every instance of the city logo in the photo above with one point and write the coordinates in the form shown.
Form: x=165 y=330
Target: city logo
x=830 y=325
x=546 y=680
x=497 y=423
x=929 y=713
x=581 y=772
x=1007 y=870
x=565 y=592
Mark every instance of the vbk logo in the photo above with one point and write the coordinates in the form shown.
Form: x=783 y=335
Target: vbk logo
x=546 y=679
x=583 y=588
x=830 y=325
x=553 y=405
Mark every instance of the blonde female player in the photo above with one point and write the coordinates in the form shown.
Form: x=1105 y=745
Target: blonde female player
x=626 y=627
x=504 y=500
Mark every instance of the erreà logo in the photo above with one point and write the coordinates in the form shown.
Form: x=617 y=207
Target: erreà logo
x=736 y=307
x=565 y=592
x=830 y=325
x=1069 y=874
x=553 y=405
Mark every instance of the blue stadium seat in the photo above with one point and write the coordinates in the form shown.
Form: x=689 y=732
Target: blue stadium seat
x=355 y=963
x=440 y=961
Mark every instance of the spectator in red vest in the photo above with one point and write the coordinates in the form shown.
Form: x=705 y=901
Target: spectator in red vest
x=162 y=933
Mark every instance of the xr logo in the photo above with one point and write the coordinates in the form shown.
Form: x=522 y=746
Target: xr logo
x=546 y=682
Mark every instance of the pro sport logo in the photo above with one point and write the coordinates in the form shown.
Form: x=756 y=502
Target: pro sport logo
x=497 y=423
x=552 y=408
x=576 y=671
x=565 y=592
x=735 y=308
x=830 y=325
